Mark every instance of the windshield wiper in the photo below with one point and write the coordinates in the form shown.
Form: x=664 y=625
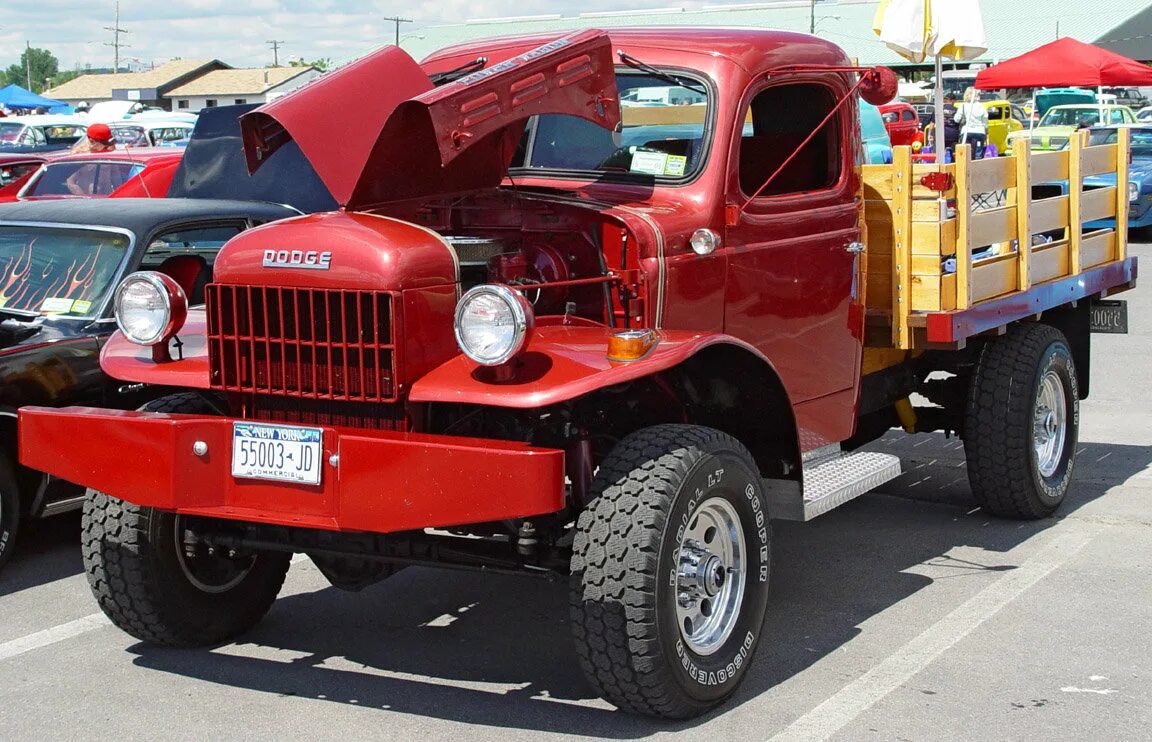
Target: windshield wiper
x=678 y=80
x=443 y=78
x=18 y=314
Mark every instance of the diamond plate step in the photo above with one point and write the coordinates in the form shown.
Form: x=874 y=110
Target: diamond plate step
x=831 y=482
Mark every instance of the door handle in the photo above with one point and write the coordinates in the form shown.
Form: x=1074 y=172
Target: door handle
x=855 y=247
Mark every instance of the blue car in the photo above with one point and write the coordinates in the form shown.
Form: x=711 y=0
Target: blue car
x=877 y=144
x=1139 y=176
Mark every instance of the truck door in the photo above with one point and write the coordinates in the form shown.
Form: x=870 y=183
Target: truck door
x=793 y=287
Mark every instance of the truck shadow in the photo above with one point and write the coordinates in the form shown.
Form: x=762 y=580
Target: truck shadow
x=495 y=651
x=46 y=551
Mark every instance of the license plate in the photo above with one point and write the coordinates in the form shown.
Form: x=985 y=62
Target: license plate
x=1109 y=315
x=282 y=453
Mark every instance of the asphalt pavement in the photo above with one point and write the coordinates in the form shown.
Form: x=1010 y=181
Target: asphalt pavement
x=905 y=615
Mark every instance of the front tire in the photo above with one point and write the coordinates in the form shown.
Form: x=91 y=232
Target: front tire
x=1022 y=421
x=161 y=590
x=10 y=510
x=670 y=571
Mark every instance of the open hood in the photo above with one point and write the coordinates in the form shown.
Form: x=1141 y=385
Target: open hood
x=378 y=131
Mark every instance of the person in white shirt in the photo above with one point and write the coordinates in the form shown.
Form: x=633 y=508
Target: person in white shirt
x=973 y=120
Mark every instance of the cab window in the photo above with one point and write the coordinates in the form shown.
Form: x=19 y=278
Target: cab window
x=1116 y=117
x=908 y=116
x=995 y=113
x=779 y=119
x=188 y=253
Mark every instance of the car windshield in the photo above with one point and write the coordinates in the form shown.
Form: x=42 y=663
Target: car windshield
x=58 y=271
x=130 y=136
x=1086 y=116
x=82 y=178
x=662 y=133
x=1141 y=141
x=11 y=132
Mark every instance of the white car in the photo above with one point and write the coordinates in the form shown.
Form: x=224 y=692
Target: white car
x=151 y=132
x=1144 y=114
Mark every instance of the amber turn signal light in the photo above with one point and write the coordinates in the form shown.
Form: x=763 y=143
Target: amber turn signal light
x=630 y=345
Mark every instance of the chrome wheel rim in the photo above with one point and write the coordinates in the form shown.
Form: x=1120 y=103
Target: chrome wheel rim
x=210 y=573
x=710 y=565
x=1049 y=424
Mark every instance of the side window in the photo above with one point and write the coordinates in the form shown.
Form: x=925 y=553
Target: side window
x=1117 y=117
x=909 y=116
x=187 y=254
x=782 y=117
x=995 y=113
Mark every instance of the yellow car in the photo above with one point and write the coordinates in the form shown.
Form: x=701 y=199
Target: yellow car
x=1003 y=120
x=1058 y=123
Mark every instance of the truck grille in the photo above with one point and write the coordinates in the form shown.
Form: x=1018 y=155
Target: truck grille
x=314 y=343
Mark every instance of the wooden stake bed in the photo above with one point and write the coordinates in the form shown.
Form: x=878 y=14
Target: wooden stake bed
x=1004 y=240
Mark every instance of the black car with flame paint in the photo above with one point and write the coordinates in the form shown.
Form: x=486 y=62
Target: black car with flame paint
x=60 y=262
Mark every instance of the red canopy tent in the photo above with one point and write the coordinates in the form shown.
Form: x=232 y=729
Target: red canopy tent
x=1065 y=63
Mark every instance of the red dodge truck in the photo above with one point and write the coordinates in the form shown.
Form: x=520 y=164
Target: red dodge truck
x=599 y=305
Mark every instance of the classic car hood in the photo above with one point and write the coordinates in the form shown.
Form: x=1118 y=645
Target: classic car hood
x=401 y=137
x=1138 y=172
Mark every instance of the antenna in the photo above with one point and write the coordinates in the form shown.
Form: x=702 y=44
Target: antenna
x=397 y=20
x=275 y=44
x=115 y=42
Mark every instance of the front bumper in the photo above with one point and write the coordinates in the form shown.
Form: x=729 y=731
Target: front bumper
x=372 y=481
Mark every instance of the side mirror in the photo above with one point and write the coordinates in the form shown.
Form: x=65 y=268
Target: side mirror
x=879 y=85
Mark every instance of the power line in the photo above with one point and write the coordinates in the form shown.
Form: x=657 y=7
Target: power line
x=275 y=44
x=397 y=20
x=115 y=42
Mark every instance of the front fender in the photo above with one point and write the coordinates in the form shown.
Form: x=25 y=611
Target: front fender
x=560 y=364
x=127 y=361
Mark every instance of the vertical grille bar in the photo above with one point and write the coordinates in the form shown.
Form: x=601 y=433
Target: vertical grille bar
x=342 y=341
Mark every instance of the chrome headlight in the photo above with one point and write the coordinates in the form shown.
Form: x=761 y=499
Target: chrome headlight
x=150 y=307
x=1133 y=192
x=492 y=323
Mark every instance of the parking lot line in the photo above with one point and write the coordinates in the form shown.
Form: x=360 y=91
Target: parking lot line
x=16 y=647
x=898 y=668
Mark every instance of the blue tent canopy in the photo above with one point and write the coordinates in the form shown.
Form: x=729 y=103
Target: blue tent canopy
x=14 y=96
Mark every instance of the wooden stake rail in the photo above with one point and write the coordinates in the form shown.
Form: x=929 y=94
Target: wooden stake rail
x=1004 y=225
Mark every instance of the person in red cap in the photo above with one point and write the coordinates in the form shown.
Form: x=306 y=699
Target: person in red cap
x=98 y=138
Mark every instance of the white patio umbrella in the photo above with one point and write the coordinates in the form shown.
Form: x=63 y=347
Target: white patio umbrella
x=921 y=29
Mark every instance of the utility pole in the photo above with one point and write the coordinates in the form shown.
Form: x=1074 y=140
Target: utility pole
x=115 y=43
x=397 y=20
x=812 y=18
x=28 y=64
x=275 y=51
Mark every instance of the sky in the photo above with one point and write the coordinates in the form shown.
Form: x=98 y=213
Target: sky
x=236 y=31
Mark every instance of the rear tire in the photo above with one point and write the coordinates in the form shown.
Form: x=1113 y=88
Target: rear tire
x=10 y=510
x=670 y=569
x=149 y=585
x=1021 y=425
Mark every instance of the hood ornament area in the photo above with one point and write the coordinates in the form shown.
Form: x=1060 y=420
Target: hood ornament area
x=308 y=259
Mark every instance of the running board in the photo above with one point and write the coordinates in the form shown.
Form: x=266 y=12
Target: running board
x=831 y=481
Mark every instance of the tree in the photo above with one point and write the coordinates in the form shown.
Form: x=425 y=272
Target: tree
x=39 y=64
x=321 y=64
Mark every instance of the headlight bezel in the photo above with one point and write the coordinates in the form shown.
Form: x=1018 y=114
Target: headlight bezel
x=523 y=322
x=175 y=306
x=1133 y=191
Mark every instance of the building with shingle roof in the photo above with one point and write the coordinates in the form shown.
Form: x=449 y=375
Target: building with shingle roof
x=149 y=87
x=236 y=86
x=1012 y=27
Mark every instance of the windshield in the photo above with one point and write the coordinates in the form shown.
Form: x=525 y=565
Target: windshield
x=1141 y=141
x=1086 y=116
x=12 y=133
x=84 y=178
x=130 y=136
x=58 y=271
x=662 y=134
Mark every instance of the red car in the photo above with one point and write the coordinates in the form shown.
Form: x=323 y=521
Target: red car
x=15 y=170
x=902 y=123
x=145 y=172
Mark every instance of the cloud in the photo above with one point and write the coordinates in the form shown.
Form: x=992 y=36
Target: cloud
x=237 y=31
